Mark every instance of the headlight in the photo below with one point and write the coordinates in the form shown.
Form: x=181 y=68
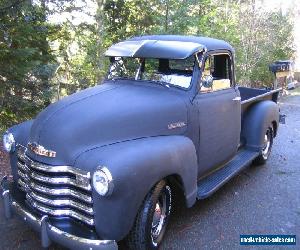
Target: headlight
x=9 y=142
x=102 y=181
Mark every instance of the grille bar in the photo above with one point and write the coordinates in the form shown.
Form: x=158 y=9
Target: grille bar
x=60 y=202
x=60 y=212
x=56 y=190
x=51 y=169
x=53 y=180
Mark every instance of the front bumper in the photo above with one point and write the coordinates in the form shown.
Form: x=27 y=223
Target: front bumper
x=48 y=231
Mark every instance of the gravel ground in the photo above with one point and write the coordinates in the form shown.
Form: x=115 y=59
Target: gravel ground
x=260 y=200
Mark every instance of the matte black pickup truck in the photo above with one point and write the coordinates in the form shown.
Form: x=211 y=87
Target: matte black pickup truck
x=103 y=164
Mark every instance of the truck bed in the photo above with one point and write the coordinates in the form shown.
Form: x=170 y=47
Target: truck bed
x=253 y=95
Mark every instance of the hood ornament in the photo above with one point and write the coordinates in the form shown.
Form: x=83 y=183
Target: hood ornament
x=40 y=150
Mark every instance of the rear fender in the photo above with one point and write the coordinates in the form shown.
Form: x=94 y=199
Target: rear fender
x=256 y=121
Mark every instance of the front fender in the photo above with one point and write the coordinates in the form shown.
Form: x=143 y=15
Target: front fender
x=136 y=166
x=21 y=132
x=256 y=122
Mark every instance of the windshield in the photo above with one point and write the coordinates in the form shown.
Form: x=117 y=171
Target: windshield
x=165 y=71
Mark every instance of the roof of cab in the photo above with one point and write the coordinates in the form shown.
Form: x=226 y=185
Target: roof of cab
x=166 y=46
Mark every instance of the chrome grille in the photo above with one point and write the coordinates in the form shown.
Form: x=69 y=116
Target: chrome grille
x=56 y=190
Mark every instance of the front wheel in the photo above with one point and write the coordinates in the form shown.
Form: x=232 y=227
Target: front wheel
x=152 y=219
x=266 y=150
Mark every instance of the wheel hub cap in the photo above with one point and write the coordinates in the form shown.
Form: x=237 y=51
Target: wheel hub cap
x=158 y=218
x=267 y=143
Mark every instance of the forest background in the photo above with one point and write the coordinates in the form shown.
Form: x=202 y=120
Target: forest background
x=52 y=48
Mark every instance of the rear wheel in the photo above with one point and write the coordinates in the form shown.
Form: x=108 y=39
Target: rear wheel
x=152 y=219
x=266 y=150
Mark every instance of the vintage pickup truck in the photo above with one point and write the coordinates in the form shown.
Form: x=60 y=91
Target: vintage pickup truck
x=103 y=165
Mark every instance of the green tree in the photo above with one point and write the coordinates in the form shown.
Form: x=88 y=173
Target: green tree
x=42 y=61
x=25 y=61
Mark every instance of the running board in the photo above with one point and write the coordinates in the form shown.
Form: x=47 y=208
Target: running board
x=213 y=182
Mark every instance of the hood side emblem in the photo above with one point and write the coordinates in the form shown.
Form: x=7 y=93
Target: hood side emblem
x=176 y=125
x=40 y=150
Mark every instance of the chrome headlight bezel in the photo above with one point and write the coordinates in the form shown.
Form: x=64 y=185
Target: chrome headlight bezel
x=9 y=142
x=103 y=181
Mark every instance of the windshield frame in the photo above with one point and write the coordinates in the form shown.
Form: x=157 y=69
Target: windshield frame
x=142 y=64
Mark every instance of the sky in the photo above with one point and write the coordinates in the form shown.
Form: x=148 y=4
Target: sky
x=77 y=17
x=284 y=4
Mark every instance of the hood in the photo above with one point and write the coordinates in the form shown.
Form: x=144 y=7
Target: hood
x=109 y=113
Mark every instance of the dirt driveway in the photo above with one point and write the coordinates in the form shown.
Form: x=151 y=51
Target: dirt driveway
x=261 y=200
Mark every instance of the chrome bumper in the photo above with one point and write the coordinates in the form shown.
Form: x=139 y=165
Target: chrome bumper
x=49 y=232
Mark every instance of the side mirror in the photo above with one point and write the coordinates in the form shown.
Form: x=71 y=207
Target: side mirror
x=207 y=81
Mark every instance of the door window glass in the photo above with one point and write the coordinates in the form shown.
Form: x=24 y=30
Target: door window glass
x=216 y=74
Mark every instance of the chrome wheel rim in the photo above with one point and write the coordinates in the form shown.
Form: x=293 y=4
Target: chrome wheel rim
x=267 y=145
x=161 y=212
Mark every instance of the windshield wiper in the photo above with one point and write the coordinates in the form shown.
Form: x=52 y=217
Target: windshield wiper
x=162 y=83
x=121 y=78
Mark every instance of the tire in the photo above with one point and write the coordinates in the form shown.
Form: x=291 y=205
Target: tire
x=265 y=152
x=152 y=219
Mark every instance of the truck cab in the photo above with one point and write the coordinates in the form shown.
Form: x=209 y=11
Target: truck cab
x=103 y=165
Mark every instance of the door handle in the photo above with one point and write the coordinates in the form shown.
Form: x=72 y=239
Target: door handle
x=237 y=99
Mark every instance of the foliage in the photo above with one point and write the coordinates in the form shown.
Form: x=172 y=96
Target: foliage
x=75 y=50
x=41 y=61
x=258 y=36
x=263 y=37
x=25 y=61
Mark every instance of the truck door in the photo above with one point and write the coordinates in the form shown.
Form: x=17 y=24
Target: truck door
x=219 y=111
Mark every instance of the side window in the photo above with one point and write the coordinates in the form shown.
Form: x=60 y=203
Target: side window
x=218 y=69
